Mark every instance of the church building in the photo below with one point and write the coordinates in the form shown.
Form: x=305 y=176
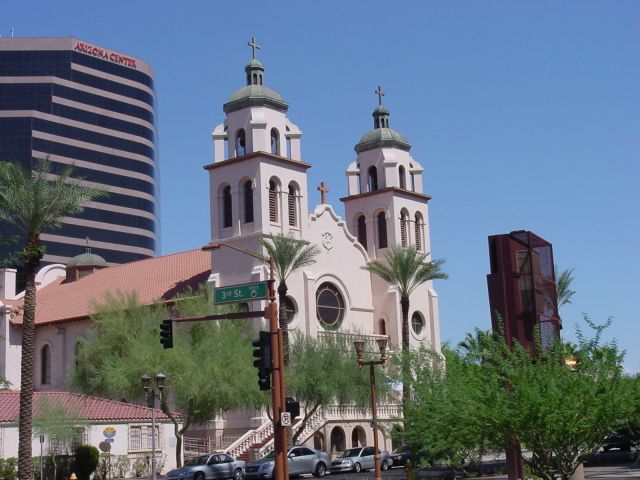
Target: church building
x=258 y=188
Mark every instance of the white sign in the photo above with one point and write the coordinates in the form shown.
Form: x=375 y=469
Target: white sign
x=285 y=419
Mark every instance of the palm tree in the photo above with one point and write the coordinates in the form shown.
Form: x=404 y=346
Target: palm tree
x=35 y=201
x=289 y=254
x=406 y=269
x=563 y=292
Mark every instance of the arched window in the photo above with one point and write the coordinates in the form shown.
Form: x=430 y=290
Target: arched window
x=362 y=231
x=241 y=143
x=417 y=323
x=404 y=227
x=372 y=179
x=382 y=230
x=403 y=179
x=329 y=305
x=275 y=142
x=413 y=178
x=273 y=201
x=227 y=214
x=45 y=365
x=291 y=205
x=418 y=232
x=318 y=441
x=358 y=437
x=248 y=201
x=382 y=327
x=337 y=440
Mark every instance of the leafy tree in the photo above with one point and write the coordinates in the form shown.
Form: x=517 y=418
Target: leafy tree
x=563 y=284
x=87 y=458
x=209 y=369
x=324 y=372
x=4 y=384
x=59 y=423
x=35 y=201
x=289 y=255
x=508 y=394
x=405 y=268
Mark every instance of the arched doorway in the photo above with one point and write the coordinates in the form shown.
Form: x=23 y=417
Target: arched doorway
x=318 y=441
x=337 y=440
x=358 y=437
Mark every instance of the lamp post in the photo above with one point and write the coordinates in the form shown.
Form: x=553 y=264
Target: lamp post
x=160 y=378
x=382 y=345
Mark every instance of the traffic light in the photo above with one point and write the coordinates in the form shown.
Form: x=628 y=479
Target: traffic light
x=292 y=406
x=262 y=354
x=166 y=333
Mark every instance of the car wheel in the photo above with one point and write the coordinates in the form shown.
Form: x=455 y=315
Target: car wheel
x=198 y=476
x=357 y=467
x=237 y=475
x=384 y=466
x=321 y=470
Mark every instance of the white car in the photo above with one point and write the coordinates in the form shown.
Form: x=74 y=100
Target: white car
x=358 y=459
x=212 y=466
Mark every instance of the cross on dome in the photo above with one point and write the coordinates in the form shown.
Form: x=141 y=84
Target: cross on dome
x=380 y=94
x=254 y=45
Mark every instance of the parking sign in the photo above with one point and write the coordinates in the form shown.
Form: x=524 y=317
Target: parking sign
x=285 y=419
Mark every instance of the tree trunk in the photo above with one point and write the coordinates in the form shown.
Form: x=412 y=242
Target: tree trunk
x=25 y=422
x=178 y=432
x=404 y=304
x=303 y=424
x=282 y=319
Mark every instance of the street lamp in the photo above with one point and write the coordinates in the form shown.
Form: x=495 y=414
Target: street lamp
x=160 y=378
x=382 y=346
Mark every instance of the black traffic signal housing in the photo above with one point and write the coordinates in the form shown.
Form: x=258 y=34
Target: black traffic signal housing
x=292 y=406
x=262 y=354
x=166 y=333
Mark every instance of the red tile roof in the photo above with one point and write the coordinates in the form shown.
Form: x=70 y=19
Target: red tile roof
x=84 y=407
x=153 y=279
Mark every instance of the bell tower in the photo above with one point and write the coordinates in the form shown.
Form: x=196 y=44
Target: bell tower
x=386 y=204
x=257 y=182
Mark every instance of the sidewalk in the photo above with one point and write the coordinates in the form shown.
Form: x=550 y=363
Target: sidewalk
x=602 y=472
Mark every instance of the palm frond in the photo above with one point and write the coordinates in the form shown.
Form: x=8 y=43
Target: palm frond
x=289 y=253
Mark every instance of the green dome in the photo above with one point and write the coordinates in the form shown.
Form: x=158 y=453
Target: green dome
x=255 y=96
x=382 y=137
x=87 y=259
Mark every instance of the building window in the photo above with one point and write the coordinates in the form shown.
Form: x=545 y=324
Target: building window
x=45 y=365
x=289 y=307
x=418 y=232
x=417 y=323
x=404 y=227
x=248 y=201
x=372 y=179
x=273 y=202
x=382 y=327
x=275 y=142
x=140 y=438
x=241 y=143
x=403 y=179
x=382 y=230
x=361 y=230
x=337 y=440
x=227 y=214
x=291 y=205
x=329 y=305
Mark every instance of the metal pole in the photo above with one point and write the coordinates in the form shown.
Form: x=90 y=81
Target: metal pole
x=153 y=434
x=41 y=464
x=374 y=416
x=277 y=381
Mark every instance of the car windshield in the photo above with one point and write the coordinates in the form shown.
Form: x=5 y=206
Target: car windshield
x=202 y=460
x=401 y=449
x=353 y=452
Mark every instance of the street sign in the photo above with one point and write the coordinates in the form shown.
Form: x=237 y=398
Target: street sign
x=240 y=293
x=285 y=419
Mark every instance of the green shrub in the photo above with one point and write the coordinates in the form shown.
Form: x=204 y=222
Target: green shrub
x=87 y=458
x=112 y=466
x=48 y=467
x=8 y=467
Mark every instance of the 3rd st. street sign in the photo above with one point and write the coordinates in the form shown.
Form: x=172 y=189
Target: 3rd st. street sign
x=240 y=293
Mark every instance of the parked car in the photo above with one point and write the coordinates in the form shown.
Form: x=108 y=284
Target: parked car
x=401 y=455
x=623 y=440
x=208 y=467
x=358 y=459
x=300 y=459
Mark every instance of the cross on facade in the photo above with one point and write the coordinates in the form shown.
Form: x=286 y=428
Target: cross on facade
x=255 y=46
x=323 y=189
x=380 y=94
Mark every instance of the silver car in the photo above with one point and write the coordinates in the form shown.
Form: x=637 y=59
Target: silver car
x=300 y=459
x=358 y=459
x=208 y=467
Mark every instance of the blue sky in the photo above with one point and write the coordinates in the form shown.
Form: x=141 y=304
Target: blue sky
x=525 y=115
